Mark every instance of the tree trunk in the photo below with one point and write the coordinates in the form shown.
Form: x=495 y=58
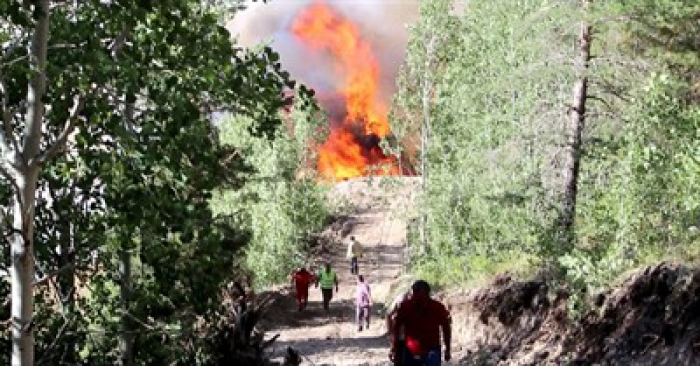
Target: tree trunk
x=22 y=271
x=575 y=128
x=65 y=257
x=22 y=245
x=66 y=289
x=126 y=336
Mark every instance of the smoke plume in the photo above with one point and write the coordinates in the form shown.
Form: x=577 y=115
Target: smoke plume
x=383 y=23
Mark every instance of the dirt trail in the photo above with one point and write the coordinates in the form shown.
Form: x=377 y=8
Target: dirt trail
x=375 y=219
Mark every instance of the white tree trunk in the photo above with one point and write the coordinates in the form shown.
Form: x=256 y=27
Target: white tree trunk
x=22 y=272
x=22 y=244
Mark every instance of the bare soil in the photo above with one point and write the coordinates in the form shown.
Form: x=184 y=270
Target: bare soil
x=652 y=318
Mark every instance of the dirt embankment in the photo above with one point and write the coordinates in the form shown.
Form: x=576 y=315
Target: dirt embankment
x=653 y=318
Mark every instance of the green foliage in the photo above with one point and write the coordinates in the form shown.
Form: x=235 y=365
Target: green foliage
x=496 y=86
x=475 y=270
x=645 y=202
x=136 y=182
x=280 y=205
x=498 y=79
x=636 y=202
x=670 y=27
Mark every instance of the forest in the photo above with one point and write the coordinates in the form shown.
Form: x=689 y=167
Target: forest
x=153 y=171
x=559 y=136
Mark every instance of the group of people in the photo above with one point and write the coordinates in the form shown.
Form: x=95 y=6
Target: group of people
x=414 y=320
x=327 y=279
x=302 y=280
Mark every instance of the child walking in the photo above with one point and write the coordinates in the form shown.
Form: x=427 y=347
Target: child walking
x=363 y=303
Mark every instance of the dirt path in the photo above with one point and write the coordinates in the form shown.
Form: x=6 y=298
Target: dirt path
x=332 y=338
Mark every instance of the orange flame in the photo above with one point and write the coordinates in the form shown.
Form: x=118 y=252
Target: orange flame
x=342 y=155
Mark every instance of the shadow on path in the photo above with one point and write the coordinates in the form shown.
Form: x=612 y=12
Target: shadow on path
x=340 y=312
x=314 y=346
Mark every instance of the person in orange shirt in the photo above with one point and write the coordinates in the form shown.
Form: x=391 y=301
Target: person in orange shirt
x=301 y=279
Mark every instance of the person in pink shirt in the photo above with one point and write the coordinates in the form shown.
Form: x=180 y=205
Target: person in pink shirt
x=363 y=303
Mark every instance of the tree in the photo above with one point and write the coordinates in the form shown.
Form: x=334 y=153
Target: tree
x=280 y=204
x=521 y=176
x=21 y=163
x=634 y=205
x=96 y=54
x=417 y=96
x=495 y=133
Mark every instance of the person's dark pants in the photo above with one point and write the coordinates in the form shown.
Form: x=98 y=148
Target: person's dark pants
x=327 y=294
x=432 y=358
x=362 y=316
x=354 y=266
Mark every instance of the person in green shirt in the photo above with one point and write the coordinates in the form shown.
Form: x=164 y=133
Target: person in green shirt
x=327 y=279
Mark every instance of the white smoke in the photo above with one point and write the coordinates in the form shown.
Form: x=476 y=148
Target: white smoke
x=383 y=23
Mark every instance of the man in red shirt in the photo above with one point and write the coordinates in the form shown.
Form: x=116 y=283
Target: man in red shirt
x=421 y=318
x=302 y=279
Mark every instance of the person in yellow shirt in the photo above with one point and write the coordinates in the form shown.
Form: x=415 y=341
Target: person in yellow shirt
x=354 y=253
x=327 y=279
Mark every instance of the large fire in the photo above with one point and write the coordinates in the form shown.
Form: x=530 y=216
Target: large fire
x=353 y=144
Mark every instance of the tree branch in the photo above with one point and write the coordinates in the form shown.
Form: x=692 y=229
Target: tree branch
x=8 y=62
x=78 y=104
x=55 y=148
x=119 y=42
x=10 y=47
x=53 y=274
x=7 y=172
x=57 y=337
x=601 y=100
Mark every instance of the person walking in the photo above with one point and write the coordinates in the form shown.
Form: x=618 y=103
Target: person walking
x=355 y=250
x=421 y=318
x=363 y=303
x=301 y=279
x=327 y=279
